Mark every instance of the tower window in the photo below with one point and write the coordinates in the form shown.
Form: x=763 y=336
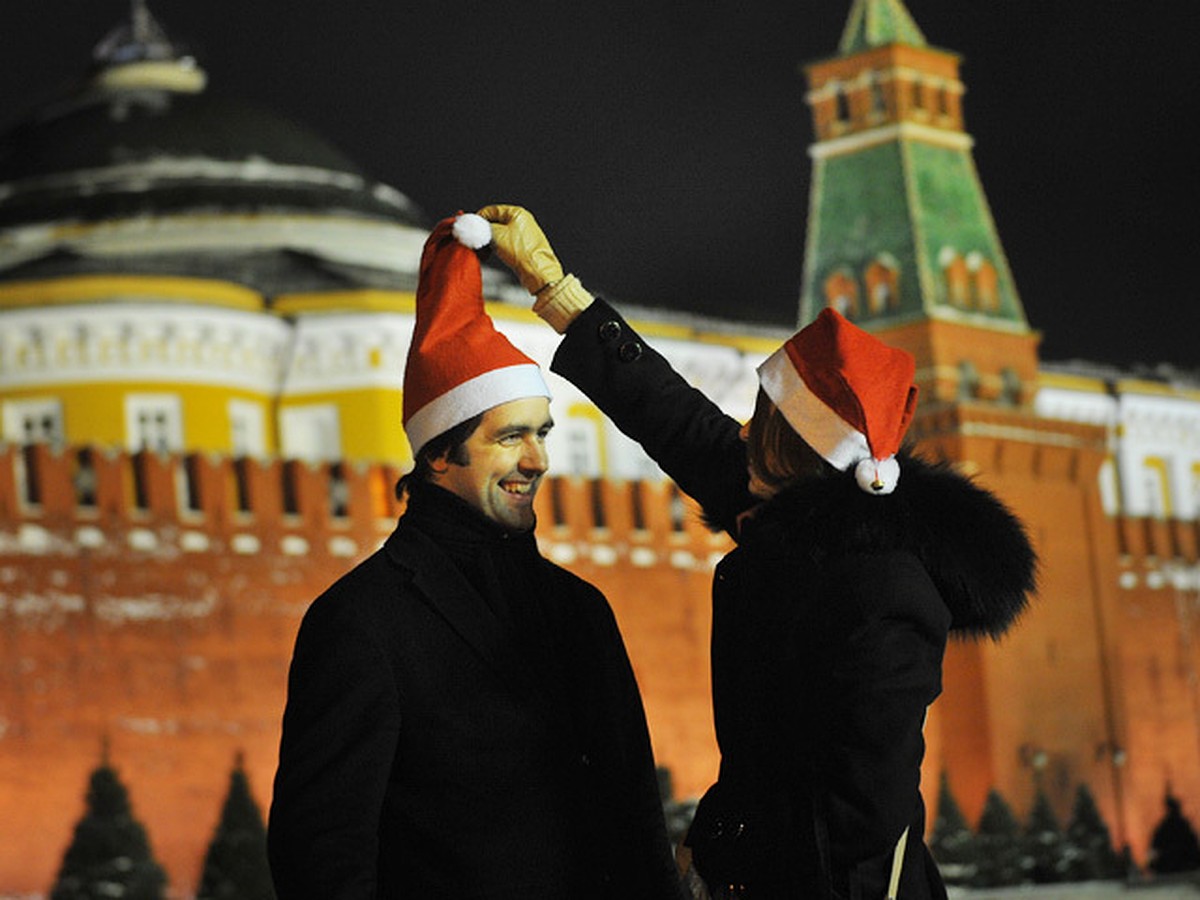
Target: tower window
x=958 y=278
x=841 y=293
x=987 y=287
x=882 y=280
x=841 y=105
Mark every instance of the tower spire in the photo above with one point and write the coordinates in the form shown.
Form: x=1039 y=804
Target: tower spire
x=900 y=236
x=138 y=54
x=873 y=23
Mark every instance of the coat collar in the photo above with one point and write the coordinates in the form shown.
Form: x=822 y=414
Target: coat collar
x=440 y=586
x=975 y=550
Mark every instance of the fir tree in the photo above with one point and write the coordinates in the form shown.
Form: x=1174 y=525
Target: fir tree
x=1090 y=854
x=1045 y=857
x=952 y=841
x=1174 y=847
x=109 y=855
x=235 y=866
x=998 y=839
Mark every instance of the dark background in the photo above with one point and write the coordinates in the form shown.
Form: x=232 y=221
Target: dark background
x=663 y=146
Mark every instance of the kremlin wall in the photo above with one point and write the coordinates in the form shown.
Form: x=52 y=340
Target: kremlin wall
x=201 y=349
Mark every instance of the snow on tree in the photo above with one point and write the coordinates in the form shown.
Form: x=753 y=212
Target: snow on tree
x=952 y=842
x=109 y=855
x=235 y=866
x=998 y=839
x=1044 y=848
x=1090 y=853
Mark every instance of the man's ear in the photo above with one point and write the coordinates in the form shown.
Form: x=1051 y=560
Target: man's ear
x=438 y=465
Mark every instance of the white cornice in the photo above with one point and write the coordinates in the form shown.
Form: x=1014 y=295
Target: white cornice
x=900 y=131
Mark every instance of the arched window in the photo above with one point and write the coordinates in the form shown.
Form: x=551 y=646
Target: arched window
x=958 y=278
x=841 y=293
x=987 y=286
x=883 y=285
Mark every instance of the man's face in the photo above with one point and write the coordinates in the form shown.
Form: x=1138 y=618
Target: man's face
x=505 y=460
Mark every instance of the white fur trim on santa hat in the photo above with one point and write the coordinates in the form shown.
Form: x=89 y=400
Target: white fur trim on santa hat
x=835 y=439
x=472 y=231
x=472 y=397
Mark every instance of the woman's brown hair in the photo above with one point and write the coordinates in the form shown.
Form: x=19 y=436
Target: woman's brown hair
x=779 y=456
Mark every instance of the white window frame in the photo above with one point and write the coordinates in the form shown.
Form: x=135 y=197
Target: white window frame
x=37 y=421
x=311 y=432
x=153 y=422
x=247 y=429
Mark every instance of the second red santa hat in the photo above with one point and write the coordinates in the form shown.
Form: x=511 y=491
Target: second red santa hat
x=847 y=394
x=458 y=364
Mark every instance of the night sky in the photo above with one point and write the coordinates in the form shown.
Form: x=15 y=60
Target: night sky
x=664 y=146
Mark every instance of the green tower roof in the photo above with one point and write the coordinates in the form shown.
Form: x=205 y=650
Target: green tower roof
x=873 y=23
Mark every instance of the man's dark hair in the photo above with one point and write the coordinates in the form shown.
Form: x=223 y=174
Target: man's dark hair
x=449 y=443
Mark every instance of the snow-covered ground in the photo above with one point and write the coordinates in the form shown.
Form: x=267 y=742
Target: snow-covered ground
x=1091 y=890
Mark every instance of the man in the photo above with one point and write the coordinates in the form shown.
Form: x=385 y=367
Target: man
x=462 y=719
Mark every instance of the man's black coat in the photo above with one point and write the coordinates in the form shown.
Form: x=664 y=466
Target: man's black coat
x=443 y=738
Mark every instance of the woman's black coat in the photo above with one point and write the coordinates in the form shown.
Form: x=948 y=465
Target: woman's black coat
x=830 y=620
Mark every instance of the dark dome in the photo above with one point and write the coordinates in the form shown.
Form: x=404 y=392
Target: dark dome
x=97 y=130
x=142 y=149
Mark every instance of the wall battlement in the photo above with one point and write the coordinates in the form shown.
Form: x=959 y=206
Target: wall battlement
x=54 y=499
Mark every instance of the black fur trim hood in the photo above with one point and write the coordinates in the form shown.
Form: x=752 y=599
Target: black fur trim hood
x=974 y=549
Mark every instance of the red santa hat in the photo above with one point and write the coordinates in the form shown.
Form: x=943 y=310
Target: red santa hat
x=847 y=394
x=458 y=364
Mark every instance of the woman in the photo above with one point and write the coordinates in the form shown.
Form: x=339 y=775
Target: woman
x=854 y=561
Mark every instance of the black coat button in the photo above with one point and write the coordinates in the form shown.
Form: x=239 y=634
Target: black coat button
x=630 y=351
x=609 y=331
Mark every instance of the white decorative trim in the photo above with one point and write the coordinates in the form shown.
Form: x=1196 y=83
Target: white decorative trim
x=951 y=140
x=472 y=397
x=837 y=442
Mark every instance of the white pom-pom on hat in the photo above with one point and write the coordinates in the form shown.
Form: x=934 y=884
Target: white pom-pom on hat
x=877 y=476
x=472 y=231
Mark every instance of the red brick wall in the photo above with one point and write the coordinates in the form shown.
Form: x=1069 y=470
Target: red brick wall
x=168 y=634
